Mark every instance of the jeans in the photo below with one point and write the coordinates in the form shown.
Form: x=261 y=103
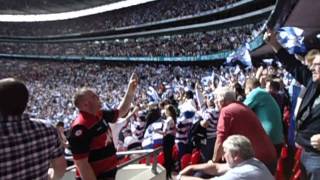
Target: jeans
x=311 y=165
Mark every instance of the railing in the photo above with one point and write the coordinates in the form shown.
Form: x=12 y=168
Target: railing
x=147 y=153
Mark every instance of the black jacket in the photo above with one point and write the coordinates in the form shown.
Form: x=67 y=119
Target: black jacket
x=308 y=118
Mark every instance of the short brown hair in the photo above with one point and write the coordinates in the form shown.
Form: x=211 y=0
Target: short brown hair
x=80 y=94
x=14 y=97
x=311 y=55
x=252 y=83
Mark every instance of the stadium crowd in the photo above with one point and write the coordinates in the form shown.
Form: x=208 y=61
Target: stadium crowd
x=174 y=100
x=156 y=10
x=191 y=44
x=52 y=84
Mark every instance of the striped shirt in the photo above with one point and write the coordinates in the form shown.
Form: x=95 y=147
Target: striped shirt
x=91 y=138
x=137 y=128
x=183 y=127
x=211 y=115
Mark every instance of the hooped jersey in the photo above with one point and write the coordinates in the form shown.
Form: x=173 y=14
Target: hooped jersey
x=91 y=137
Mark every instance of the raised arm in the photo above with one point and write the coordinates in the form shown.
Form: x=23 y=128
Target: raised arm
x=124 y=106
x=199 y=97
x=298 y=70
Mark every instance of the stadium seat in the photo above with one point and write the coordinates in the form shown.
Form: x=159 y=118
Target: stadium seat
x=195 y=158
x=185 y=160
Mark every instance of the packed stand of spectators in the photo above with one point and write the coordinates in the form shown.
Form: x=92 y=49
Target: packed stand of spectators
x=52 y=83
x=161 y=10
x=156 y=11
x=181 y=108
x=191 y=44
x=171 y=101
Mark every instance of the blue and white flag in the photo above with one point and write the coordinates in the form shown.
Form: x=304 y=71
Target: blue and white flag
x=153 y=95
x=242 y=55
x=291 y=38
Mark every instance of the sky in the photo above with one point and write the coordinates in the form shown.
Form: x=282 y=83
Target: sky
x=70 y=15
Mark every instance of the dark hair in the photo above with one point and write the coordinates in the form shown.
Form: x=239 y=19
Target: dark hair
x=13 y=97
x=152 y=116
x=60 y=124
x=172 y=111
x=163 y=103
x=275 y=85
x=240 y=94
x=189 y=94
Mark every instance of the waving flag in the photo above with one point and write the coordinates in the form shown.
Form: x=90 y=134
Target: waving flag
x=291 y=38
x=242 y=55
x=153 y=95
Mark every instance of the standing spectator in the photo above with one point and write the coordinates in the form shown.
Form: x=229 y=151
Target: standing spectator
x=91 y=138
x=169 y=131
x=27 y=147
x=308 y=124
x=61 y=133
x=210 y=120
x=184 y=124
x=267 y=110
x=236 y=118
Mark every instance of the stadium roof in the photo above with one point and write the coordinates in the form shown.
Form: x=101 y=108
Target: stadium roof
x=47 y=6
x=51 y=10
x=305 y=16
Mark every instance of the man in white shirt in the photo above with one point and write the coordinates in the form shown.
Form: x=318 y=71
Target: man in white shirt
x=240 y=163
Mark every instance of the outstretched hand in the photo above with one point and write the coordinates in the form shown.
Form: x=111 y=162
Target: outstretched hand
x=270 y=38
x=315 y=141
x=133 y=82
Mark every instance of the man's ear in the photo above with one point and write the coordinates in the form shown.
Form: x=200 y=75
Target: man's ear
x=237 y=157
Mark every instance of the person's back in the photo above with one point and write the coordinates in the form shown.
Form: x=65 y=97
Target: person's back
x=239 y=119
x=27 y=148
x=251 y=169
x=268 y=112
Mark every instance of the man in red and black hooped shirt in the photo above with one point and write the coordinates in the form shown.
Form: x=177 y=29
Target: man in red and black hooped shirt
x=91 y=138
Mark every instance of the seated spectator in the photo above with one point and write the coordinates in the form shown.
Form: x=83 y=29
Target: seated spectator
x=240 y=163
x=236 y=118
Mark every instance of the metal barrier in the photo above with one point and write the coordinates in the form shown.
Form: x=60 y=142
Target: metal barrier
x=146 y=153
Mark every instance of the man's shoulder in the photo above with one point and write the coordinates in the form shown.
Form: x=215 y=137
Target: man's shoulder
x=83 y=120
x=252 y=168
x=233 y=106
x=258 y=91
x=42 y=124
